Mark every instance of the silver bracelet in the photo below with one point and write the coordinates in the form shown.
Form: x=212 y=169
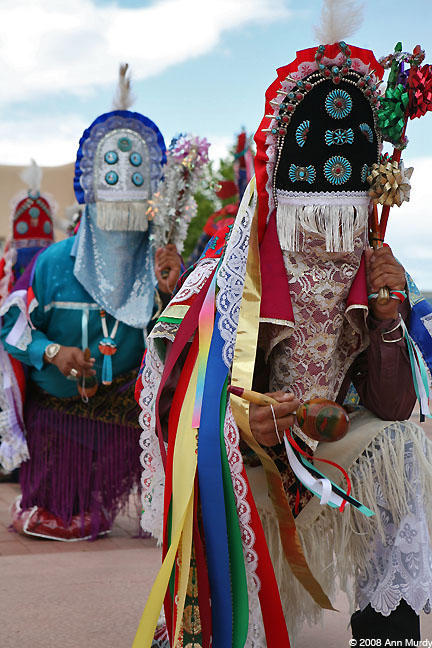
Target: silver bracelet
x=399 y=324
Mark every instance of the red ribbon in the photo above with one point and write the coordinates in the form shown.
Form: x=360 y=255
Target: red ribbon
x=420 y=83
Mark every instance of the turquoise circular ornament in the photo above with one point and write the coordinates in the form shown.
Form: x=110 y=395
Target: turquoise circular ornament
x=124 y=144
x=135 y=159
x=111 y=177
x=337 y=170
x=137 y=179
x=47 y=227
x=34 y=212
x=338 y=104
x=111 y=157
x=22 y=227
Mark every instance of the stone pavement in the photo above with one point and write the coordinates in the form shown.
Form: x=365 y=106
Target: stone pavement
x=92 y=594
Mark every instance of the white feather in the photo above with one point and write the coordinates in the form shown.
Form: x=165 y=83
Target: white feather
x=339 y=20
x=32 y=176
x=123 y=98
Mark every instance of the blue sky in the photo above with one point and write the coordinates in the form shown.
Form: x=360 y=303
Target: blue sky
x=198 y=66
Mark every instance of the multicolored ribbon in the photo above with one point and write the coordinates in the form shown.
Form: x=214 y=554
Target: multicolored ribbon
x=419 y=373
x=315 y=481
x=242 y=375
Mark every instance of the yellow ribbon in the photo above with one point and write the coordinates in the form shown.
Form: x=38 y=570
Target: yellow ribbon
x=242 y=376
x=184 y=469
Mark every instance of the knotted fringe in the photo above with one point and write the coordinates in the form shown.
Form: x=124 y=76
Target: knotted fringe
x=122 y=216
x=337 y=223
x=336 y=545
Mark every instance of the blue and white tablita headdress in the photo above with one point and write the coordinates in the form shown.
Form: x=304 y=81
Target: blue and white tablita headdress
x=119 y=164
x=118 y=167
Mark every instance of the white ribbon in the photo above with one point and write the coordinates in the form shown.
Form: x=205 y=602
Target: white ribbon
x=321 y=487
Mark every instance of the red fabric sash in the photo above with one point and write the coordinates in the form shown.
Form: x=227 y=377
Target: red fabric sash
x=271 y=607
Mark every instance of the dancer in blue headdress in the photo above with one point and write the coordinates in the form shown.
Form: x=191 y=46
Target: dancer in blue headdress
x=78 y=320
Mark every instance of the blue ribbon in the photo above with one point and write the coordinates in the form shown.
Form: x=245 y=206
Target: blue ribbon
x=421 y=312
x=212 y=496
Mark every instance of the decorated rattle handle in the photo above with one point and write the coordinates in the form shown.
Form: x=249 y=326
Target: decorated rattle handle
x=252 y=396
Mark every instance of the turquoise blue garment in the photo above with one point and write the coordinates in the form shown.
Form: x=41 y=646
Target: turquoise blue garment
x=59 y=318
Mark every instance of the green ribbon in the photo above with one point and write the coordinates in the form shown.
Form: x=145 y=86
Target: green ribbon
x=391 y=114
x=237 y=567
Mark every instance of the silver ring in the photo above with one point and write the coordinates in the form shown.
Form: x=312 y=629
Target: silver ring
x=73 y=373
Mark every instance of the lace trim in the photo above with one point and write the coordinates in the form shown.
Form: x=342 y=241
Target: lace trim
x=195 y=281
x=153 y=475
x=13 y=444
x=256 y=635
x=9 y=261
x=351 y=198
x=18 y=299
x=398 y=562
x=231 y=275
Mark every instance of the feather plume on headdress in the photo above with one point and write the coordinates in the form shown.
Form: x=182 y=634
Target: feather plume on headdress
x=339 y=20
x=123 y=98
x=32 y=176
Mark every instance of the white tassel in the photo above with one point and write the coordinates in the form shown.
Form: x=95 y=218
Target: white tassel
x=335 y=223
x=123 y=98
x=339 y=20
x=122 y=217
x=32 y=176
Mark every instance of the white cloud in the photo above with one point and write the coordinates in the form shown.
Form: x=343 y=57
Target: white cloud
x=220 y=147
x=409 y=229
x=50 y=142
x=57 y=46
x=54 y=141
